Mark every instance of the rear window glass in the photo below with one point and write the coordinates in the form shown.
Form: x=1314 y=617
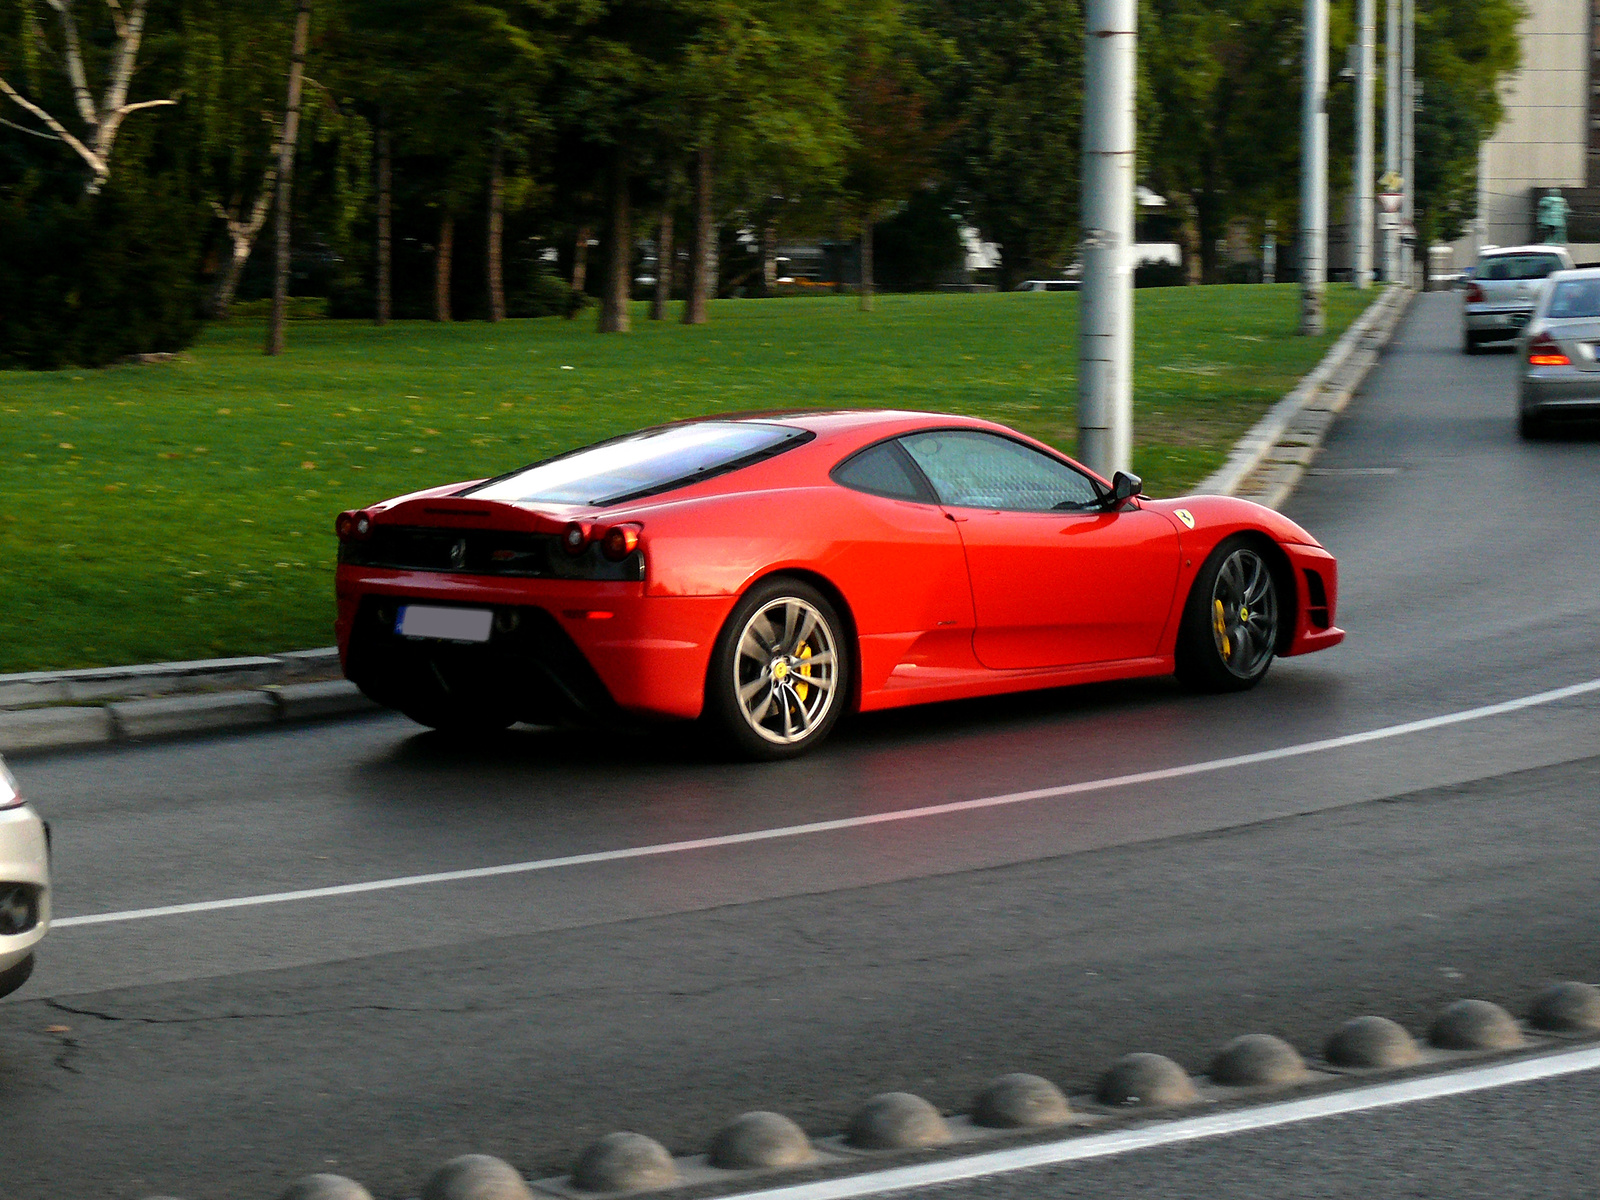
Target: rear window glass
x=642 y=464
x=1519 y=266
x=881 y=470
x=1575 y=298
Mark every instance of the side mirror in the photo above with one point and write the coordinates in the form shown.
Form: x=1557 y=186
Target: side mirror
x=1124 y=487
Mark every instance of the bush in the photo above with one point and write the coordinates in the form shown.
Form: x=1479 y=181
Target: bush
x=86 y=280
x=1159 y=275
x=539 y=293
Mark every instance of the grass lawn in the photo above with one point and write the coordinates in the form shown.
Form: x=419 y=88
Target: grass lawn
x=185 y=509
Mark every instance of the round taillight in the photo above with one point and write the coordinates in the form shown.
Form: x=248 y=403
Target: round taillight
x=574 y=539
x=343 y=523
x=363 y=525
x=619 y=542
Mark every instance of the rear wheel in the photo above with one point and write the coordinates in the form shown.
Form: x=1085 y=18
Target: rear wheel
x=1229 y=632
x=778 y=675
x=1469 y=342
x=1530 y=427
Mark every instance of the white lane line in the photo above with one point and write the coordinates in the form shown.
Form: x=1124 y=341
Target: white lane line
x=1270 y=1116
x=792 y=831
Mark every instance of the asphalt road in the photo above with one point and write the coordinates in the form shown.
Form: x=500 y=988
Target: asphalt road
x=223 y=1053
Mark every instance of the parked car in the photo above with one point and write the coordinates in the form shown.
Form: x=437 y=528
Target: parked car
x=24 y=883
x=772 y=571
x=1560 y=374
x=1047 y=285
x=1505 y=288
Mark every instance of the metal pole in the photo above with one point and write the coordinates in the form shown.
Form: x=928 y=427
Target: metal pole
x=1105 y=315
x=1391 y=136
x=1481 y=225
x=1314 y=171
x=1361 y=219
x=1408 y=134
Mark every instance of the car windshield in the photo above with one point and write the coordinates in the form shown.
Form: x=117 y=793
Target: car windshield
x=1575 y=298
x=642 y=463
x=1518 y=266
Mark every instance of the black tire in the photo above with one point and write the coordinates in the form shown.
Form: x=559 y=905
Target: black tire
x=1469 y=343
x=1224 y=646
x=15 y=976
x=784 y=699
x=1530 y=428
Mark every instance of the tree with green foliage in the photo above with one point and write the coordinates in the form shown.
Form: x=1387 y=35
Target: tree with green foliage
x=79 y=55
x=1466 y=49
x=1214 y=135
x=457 y=85
x=894 y=138
x=760 y=105
x=1012 y=91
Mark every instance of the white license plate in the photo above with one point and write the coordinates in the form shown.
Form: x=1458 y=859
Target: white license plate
x=444 y=624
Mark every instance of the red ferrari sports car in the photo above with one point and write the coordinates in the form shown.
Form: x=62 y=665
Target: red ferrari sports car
x=771 y=572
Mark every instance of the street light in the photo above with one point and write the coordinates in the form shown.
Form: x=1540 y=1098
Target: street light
x=1314 y=171
x=1105 y=314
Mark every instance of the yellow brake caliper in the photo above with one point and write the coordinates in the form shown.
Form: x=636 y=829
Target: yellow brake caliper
x=801 y=689
x=1219 y=623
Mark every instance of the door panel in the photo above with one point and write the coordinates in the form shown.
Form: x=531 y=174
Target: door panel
x=1061 y=589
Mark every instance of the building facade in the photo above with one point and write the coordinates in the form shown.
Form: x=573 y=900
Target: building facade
x=1550 y=137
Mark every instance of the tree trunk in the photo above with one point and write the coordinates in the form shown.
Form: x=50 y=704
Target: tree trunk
x=666 y=259
x=1209 y=218
x=286 y=145
x=443 y=260
x=866 y=265
x=494 y=270
x=229 y=283
x=769 y=258
x=1189 y=232
x=580 y=258
x=385 y=222
x=619 y=276
x=702 y=251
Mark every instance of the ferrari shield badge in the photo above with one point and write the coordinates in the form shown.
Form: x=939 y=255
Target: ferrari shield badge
x=1184 y=515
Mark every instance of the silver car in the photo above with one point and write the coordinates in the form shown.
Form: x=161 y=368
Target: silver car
x=1560 y=368
x=1504 y=290
x=24 y=884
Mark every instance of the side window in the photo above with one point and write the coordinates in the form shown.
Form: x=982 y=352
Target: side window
x=970 y=469
x=881 y=470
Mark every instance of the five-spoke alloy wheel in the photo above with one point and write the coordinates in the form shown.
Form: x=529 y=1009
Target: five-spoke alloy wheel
x=1231 y=621
x=780 y=670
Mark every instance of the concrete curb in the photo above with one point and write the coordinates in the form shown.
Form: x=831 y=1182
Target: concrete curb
x=1271 y=458
x=67 y=727
x=101 y=684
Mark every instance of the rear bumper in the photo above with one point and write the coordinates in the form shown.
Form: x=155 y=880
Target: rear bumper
x=24 y=864
x=1498 y=322
x=1316 y=574
x=1553 y=390
x=558 y=648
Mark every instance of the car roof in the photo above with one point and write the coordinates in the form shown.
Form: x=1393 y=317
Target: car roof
x=886 y=421
x=1587 y=272
x=1537 y=248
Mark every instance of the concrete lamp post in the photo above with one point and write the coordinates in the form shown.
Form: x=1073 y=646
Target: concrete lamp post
x=1314 y=172
x=1105 y=315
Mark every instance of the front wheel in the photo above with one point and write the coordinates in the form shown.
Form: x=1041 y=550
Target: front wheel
x=779 y=673
x=1229 y=632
